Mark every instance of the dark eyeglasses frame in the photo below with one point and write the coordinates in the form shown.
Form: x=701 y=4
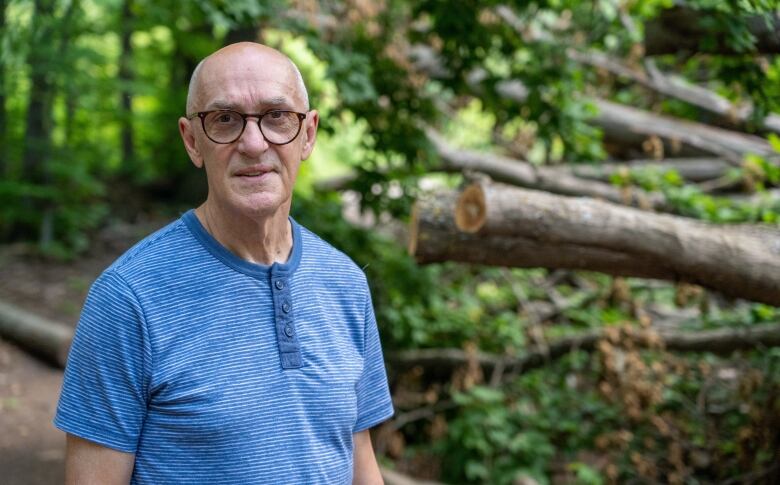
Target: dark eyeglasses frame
x=202 y=115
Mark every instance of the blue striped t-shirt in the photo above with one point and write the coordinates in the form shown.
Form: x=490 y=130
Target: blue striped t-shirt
x=213 y=370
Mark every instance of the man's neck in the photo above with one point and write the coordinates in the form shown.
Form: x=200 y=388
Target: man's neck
x=264 y=240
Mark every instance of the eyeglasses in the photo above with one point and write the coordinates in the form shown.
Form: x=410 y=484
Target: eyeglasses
x=223 y=126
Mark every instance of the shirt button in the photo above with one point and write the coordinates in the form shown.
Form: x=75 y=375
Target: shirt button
x=279 y=284
x=286 y=307
x=288 y=330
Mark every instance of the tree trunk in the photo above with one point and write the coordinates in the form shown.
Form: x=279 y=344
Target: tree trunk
x=509 y=226
x=690 y=169
x=682 y=29
x=37 y=139
x=434 y=237
x=37 y=146
x=720 y=341
x=3 y=125
x=624 y=125
x=50 y=340
x=627 y=125
x=678 y=88
x=523 y=174
x=125 y=88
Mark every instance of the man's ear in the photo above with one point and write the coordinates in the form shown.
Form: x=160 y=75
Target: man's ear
x=310 y=133
x=188 y=137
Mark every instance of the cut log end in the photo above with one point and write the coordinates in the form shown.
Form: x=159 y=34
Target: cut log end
x=471 y=210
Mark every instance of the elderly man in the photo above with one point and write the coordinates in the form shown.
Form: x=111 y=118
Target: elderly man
x=233 y=345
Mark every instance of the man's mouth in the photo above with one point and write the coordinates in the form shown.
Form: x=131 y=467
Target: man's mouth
x=253 y=172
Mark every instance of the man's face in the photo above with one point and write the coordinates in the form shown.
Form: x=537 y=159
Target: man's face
x=249 y=176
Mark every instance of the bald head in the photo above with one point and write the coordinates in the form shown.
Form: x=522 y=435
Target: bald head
x=233 y=58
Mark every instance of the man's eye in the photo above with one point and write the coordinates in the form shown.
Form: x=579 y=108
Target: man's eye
x=226 y=118
x=275 y=114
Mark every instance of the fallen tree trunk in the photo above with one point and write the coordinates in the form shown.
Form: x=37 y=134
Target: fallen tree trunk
x=523 y=174
x=503 y=169
x=667 y=85
x=50 y=340
x=507 y=226
x=434 y=237
x=741 y=260
x=678 y=88
x=627 y=125
x=690 y=169
x=681 y=29
x=719 y=341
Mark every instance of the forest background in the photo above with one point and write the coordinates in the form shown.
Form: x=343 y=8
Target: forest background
x=529 y=359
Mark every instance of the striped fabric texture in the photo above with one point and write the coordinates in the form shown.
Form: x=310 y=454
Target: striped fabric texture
x=215 y=370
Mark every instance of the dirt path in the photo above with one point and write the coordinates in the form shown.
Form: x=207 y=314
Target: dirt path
x=32 y=450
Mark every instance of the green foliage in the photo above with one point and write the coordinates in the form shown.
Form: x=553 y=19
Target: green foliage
x=691 y=201
x=374 y=102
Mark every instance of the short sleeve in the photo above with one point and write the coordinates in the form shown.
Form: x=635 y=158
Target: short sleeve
x=373 y=394
x=104 y=391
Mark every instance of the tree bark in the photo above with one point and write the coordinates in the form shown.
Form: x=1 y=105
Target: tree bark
x=678 y=88
x=626 y=125
x=50 y=340
x=690 y=169
x=434 y=238
x=509 y=226
x=37 y=146
x=720 y=341
x=682 y=29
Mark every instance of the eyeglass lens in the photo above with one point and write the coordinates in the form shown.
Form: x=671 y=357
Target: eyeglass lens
x=278 y=127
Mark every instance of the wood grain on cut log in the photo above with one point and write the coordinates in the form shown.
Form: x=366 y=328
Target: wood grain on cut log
x=740 y=260
x=50 y=340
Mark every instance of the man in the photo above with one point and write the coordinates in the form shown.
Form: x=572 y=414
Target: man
x=233 y=345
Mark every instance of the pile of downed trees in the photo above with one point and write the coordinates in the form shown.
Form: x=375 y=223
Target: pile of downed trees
x=571 y=217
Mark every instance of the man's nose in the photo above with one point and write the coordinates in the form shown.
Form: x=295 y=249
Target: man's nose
x=252 y=141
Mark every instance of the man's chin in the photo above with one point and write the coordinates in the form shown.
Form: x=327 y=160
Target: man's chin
x=262 y=205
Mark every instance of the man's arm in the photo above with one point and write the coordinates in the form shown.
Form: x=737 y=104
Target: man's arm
x=366 y=469
x=88 y=463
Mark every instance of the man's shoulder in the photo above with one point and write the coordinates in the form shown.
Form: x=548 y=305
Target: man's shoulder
x=324 y=256
x=157 y=250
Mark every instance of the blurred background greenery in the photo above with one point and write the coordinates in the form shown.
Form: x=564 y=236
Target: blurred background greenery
x=90 y=93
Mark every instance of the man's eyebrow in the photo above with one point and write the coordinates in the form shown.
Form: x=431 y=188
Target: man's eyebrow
x=275 y=102
x=220 y=104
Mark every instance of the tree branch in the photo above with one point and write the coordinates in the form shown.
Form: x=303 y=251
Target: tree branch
x=720 y=341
